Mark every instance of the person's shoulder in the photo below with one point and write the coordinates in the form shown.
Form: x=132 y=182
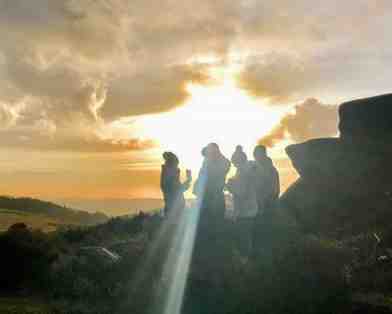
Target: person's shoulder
x=254 y=166
x=252 y=163
x=226 y=162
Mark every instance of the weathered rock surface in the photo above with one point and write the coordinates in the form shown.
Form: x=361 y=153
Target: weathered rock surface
x=344 y=194
x=368 y=117
x=346 y=183
x=344 y=165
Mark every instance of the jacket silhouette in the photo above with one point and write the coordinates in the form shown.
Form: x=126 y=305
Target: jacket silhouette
x=171 y=186
x=211 y=182
x=211 y=203
x=266 y=179
x=242 y=186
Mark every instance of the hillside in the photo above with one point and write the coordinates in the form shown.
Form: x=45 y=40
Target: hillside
x=114 y=206
x=34 y=221
x=43 y=215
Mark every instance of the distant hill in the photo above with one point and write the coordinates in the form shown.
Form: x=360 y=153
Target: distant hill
x=42 y=214
x=115 y=206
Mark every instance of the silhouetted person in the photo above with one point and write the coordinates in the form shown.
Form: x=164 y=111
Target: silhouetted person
x=243 y=189
x=211 y=203
x=266 y=179
x=171 y=186
x=210 y=183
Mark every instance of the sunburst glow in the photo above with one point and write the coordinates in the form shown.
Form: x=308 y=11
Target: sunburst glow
x=220 y=113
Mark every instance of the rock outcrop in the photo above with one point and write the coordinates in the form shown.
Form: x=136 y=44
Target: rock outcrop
x=366 y=118
x=345 y=183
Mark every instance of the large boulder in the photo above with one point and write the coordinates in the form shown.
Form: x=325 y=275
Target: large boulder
x=367 y=117
x=332 y=161
x=332 y=207
x=343 y=185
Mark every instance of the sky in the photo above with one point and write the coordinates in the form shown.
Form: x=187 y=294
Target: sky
x=93 y=91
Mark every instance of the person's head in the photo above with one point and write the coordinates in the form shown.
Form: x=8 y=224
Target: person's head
x=260 y=152
x=239 y=157
x=170 y=159
x=212 y=151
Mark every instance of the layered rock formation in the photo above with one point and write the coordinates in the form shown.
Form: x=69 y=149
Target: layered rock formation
x=345 y=184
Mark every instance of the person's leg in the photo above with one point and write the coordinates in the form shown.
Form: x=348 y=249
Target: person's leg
x=249 y=223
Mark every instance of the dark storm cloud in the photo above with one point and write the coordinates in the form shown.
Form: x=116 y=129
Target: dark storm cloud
x=310 y=119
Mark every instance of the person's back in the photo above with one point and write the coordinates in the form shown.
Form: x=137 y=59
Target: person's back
x=211 y=203
x=242 y=186
x=266 y=178
x=211 y=181
x=216 y=175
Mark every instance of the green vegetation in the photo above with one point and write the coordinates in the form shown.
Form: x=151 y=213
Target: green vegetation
x=23 y=306
x=42 y=215
x=35 y=221
x=290 y=272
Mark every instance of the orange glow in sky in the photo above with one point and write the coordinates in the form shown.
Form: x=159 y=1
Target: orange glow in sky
x=219 y=113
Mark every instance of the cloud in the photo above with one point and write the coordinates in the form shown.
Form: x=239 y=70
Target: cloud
x=93 y=29
x=7 y=116
x=310 y=119
x=280 y=78
x=71 y=69
x=37 y=140
x=61 y=90
x=151 y=91
x=284 y=78
x=78 y=64
x=59 y=100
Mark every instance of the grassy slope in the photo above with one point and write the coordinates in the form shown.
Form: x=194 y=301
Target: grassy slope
x=35 y=221
x=23 y=306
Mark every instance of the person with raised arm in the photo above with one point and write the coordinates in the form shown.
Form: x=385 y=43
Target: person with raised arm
x=172 y=187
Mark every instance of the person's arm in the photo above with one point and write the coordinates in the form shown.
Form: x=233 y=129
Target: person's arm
x=230 y=186
x=201 y=179
x=166 y=179
x=242 y=185
x=277 y=184
x=236 y=185
x=188 y=181
x=162 y=180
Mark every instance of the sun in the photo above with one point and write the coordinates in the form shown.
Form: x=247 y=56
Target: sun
x=220 y=113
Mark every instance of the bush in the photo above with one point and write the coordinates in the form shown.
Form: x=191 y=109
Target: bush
x=26 y=258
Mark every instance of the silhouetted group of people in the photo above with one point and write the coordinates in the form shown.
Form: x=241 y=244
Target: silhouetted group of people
x=254 y=188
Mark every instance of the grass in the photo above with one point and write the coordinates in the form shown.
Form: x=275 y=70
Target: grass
x=35 y=221
x=12 y=211
x=374 y=299
x=23 y=306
